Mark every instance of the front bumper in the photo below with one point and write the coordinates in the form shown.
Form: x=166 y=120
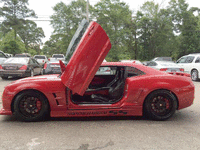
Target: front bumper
x=5 y=112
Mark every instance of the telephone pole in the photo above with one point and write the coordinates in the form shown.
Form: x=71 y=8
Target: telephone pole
x=87 y=10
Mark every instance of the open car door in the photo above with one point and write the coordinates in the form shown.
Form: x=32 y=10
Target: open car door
x=85 y=53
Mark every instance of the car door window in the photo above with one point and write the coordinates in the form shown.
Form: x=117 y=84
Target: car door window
x=132 y=71
x=152 y=64
x=182 y=60
x=197 y=60
x=189 y=59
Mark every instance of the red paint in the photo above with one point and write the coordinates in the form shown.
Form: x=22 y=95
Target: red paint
x=79 y=73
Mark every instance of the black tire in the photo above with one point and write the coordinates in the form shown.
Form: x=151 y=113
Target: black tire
x=4 y=77
x=31 y=106
x=160 y=105
x=194 y=75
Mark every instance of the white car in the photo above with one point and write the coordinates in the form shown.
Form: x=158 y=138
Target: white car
x=41 y=59
x=3 y=57
x=58 y=57
x=191 y=65
x=166 y=66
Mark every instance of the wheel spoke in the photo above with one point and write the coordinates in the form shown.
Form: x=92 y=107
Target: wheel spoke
x=30 y=106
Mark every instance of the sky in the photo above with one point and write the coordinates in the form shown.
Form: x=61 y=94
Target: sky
x=43 y=9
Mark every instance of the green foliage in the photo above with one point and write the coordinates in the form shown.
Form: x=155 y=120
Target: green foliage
x=31 y=34
x=14 y=13
x=152 y=32
x=11 y=45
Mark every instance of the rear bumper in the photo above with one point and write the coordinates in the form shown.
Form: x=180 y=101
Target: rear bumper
x=19 y=73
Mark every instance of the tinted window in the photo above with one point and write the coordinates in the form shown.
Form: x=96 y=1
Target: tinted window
x=189 y=59
x=197 y=60
x=182 y=60
x=152 y=63
x=58 y=56
x=39 y=57
x=76 y=39
x=134 y=72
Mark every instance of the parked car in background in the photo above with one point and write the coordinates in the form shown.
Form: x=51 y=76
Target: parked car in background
x=133 y=61
x=162 y=59
x=52 y=67
x=191 y=65
x=20 y=67
x=59 y=57
x=3 y=57
x=22 y=55
x=166 y=66
x=41 y=59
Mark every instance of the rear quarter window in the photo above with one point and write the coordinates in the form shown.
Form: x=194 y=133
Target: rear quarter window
x=132 y=71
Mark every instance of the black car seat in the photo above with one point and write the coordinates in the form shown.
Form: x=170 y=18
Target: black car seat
x=116 y=88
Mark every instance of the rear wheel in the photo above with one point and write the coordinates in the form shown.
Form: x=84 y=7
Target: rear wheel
x=160 y=105
x=194 y=75
x=31 y=106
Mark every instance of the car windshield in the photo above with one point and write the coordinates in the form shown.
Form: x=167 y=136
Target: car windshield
x=17 y=60
x=76 y=39
x=39 y=57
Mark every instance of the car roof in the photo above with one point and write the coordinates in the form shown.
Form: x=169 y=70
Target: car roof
x=146 y=69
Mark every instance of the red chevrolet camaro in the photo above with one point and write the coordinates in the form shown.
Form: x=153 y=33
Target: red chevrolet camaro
x=88 y=87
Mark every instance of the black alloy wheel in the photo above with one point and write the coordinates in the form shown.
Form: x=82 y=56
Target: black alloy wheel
x=31 y=106
x=160 y=105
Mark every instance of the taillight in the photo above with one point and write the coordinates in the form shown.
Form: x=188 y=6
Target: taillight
x=42 y=60
x=181 y=69
x=163 y=69
x=45 y=66
x=24 y=67
x=1 y=67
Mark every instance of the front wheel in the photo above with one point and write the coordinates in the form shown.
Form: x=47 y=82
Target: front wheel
x=160 y=105
x=31 y=106
x=194 y=75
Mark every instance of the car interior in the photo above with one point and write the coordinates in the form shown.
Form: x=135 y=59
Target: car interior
x=107 y=86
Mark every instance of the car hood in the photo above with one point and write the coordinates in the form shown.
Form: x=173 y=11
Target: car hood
x=87 y=50
x=42 y=78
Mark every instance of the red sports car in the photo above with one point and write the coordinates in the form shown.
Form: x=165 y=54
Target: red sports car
x=88 y=87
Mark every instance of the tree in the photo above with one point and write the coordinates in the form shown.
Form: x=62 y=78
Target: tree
x=14 y=13
x=186 y=25
x=11 y=45
x=155 y=31
x=31 y=34
x=115 y=16
x=65 y=21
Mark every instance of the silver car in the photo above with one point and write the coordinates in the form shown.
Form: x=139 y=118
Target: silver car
x=166 y=66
